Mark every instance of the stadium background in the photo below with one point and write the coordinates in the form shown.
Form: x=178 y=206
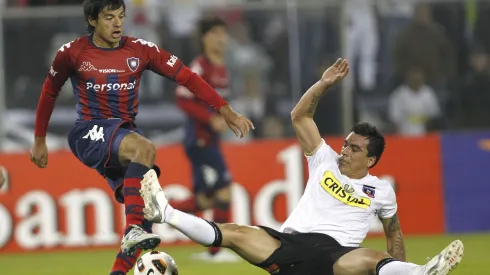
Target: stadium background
x=53 y=221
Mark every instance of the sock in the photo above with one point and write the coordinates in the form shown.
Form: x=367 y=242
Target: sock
x=188 y=205
x=221 y=214
x=123 y=262
x=391 y=266
x=199 y=230
x=132 y=200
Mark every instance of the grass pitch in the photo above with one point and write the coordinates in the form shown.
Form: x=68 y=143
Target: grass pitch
x=475 y=262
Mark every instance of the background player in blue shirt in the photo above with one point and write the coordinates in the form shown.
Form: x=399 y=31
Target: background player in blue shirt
x=105 y=68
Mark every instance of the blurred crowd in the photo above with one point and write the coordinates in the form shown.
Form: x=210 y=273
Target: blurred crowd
x=416 y=67
x=432 y=66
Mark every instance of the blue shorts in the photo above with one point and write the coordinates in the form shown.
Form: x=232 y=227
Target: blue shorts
x=96 y=144
x=209 y=171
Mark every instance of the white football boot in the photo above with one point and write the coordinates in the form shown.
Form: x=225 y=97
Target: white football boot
x=154 y=197
x=446 y=261
x=137 y=238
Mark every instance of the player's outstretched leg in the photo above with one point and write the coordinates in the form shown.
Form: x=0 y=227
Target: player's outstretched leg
x=138 y=154
x=364 y=260
x=222 y=215
x=250 y=242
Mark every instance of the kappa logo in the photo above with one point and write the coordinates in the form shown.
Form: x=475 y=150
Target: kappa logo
x=52 y=71
x=330 y=184
x=133 y=63
x=172 y=60
x=96 y=134
x=87 y=67
x=210 y=175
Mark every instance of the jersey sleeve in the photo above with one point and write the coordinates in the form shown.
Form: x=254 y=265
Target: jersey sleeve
x=60 y=70
x=182 y=91
x=188 y=103
x=322 y=154
x=389 y=207
x=171 y=67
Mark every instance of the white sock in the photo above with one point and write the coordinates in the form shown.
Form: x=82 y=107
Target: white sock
x=197 y=229
x=400 y=268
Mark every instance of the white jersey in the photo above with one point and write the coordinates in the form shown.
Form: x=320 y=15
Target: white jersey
x=338 y=206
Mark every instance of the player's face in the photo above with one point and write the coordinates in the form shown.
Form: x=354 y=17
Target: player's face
x=354 y=158
x=216 y=39
x=109 y=26
x=415 y=79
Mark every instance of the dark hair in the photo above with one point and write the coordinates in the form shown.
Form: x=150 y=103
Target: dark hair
x=376 y=145
x=207 y=24
x=92 y=8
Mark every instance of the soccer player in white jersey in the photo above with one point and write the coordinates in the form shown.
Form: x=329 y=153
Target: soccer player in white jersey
x=325 y=230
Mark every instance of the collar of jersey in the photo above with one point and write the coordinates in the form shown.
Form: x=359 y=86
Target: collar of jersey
x=91 y=39
x=361 y=179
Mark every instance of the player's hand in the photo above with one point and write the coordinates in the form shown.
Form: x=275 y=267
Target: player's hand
x=218 y=123
x=335 y=73
x=239 y=124
x=39 y=152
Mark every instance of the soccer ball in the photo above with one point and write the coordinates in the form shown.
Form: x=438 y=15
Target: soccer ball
x=156 y=263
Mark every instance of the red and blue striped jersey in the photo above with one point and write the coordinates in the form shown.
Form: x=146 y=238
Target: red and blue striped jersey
x=198 y=131
x=106 y=81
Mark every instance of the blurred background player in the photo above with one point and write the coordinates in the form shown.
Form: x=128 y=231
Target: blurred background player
x=211 y=178
x=105 y=68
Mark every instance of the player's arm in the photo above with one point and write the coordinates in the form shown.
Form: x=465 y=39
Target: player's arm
x=171 y=67
x=394 y=237
x=302 y=114
x=187 y=102
x=59 y=72
x=193 y=109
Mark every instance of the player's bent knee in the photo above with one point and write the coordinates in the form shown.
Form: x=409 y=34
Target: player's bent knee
x=146 y=149
x=136 y=148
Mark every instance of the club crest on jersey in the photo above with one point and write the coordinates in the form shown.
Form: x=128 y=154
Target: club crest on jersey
x=133 y=63
x=369 y=190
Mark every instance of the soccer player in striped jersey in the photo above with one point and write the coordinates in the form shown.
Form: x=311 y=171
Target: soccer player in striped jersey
x=105 y=68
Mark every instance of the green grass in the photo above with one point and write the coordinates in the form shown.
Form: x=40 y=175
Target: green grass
x=475 y=262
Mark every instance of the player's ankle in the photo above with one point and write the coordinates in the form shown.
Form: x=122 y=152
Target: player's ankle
x=169 y=213
x=382 y=263
x=218 y=237
x=117 y=273
x=130 y=227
